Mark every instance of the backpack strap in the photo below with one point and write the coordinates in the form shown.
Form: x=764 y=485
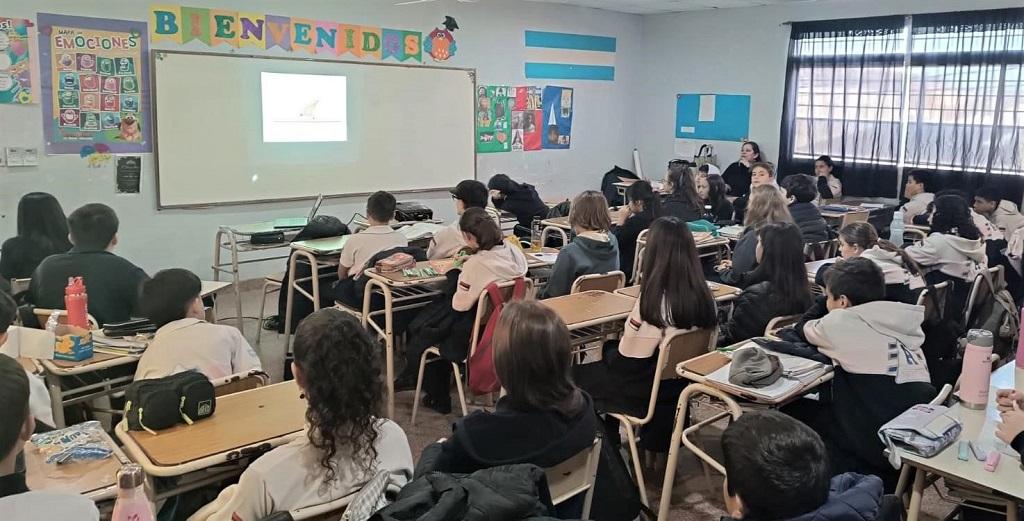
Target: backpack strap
x=519 y=291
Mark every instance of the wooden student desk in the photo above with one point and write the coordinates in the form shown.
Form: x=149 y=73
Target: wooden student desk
x=591 y=315
x=96 y=480
x=720 y=292
x=814 y=266
x=110 y=373
x=966 y=479
x=245 y=423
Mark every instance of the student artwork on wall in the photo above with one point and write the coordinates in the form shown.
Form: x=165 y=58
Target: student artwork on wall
x=720 y=117
x=526 y=119
x=556 y=109
x=94 y=84
x=19 y=73
x=493 y=118
x=217 y=27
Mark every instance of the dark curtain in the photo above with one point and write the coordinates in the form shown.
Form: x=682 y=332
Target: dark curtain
x=966 y=105
x=843 y=98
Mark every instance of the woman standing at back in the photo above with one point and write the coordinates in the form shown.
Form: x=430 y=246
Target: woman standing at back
x=42 y=231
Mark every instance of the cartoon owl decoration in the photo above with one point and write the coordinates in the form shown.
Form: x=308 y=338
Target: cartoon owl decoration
x=440 y=43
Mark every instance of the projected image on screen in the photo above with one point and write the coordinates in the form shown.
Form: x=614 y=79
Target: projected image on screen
x=303 y=108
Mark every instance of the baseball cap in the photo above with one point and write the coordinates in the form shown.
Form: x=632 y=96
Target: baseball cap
x=472 y=193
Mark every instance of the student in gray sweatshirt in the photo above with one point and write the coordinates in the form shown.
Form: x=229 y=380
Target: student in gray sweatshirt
x=594 y=250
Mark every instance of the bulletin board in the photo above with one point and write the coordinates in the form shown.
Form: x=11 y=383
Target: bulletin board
x=716 y=117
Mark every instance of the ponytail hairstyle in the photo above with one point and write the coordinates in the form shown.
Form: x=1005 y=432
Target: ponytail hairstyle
x=641 y=191
x=339 y=368
x=684 y=186
x=864 y=236
x=478 y=223
x=782 y=265
x=952 y=216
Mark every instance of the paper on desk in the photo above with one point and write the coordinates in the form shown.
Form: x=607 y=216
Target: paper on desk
x=28 y=343
x=549 y=258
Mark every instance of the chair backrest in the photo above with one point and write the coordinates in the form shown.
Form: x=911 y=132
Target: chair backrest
x=854 y=217
x=934 y=301
x=484 y=309
x=19 y=285
x=575 y=475
x=778 y=323
x=981 y=291
x=638 y=255
x=816 y=251
x=674 y=350
x=608 y=282
x=240 y=382
x=43 y=314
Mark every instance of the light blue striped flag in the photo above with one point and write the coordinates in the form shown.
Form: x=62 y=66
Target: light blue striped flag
x=567 y=56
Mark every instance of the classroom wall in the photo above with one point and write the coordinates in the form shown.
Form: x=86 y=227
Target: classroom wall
x=740 y=51
x=490 y=39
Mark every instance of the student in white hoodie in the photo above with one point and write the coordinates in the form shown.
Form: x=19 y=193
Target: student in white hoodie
x=448 y=241
x=954 y=249
x=918 y=191
x=903 y=279
x=494 y=260
x=185 y=340
x=1000 y=212
x=337 y=368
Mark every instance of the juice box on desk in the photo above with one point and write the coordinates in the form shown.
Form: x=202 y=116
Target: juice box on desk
x=73 y=347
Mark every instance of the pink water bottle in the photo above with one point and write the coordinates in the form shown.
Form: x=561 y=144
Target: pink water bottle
x=976 y=373
x=132 y=502
x=76 y=301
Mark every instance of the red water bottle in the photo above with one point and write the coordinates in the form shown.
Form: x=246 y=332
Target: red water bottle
x=76 y=302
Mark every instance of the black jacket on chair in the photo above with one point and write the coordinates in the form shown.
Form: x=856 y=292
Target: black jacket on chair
x=812 y=225
x=752 y=311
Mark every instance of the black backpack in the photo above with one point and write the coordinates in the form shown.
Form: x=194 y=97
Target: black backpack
x=161 y=403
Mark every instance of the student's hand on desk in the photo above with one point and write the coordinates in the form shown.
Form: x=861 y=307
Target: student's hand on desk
x=1011 y=424
x=1005 y=398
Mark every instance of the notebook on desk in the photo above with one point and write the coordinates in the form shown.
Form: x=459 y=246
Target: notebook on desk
x=798 y=373
x=327 y=246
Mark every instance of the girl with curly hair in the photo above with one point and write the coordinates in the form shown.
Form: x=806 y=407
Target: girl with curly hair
x=336 y=365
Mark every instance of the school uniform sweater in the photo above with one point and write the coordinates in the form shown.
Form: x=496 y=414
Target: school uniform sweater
x=589 y=253
x=951 y=255
x=1006 y=217
x=917 y=205
x=112 y=282
x=291 y=477
x=446 y=242
x=360 y=247
x=214 y=350
x=829 y=187
x=502 y=263
x=19 y=504
x=812 y=224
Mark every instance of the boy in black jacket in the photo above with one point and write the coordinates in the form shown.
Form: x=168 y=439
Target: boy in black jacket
x=801 y=192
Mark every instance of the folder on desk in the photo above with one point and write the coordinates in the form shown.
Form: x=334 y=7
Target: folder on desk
x=327 y=246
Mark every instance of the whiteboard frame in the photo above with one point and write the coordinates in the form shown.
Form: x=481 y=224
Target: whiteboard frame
x=195 y=206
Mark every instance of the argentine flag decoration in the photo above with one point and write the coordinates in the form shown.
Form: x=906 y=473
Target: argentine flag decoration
x=568 y=56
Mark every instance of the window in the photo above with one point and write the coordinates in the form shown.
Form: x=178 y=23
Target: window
x=940 y=91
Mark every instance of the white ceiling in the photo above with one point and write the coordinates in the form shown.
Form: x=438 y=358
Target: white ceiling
x=667 y=6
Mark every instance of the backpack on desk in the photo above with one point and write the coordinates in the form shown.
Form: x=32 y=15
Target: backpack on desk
x=161 y=403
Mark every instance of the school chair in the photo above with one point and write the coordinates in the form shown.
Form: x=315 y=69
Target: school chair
x=982 y=291
x=483 y=314
x=854 y=217
x=607 y=282
x=816 y=251
x=916 y=233
x=638 y=255
x=19 y=285
x=239 y=382
x=574 y=476
x=271 y=284
x=548 y=230
x=682 y=436
x=43 y=315
x=782 y=322
x=675 y=349
x=934 y=301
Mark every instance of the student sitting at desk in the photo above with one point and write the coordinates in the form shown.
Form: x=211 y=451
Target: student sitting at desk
x=919 y=192
x=594 y=250
x=954 y=250
x=1002 y=213
x=543 y=419
x=184 y=340
x=777 y=287
x=681 y=189
x=16 y=501
x=875 y=345
x=673 y=296
x=519 y=199
x=903 y=280
x=829 y=186
x=338 y=369
x=379 y=236
x=644 y=207
x=112 y=282
x=448 y=241
x=39 y=397
x=801 y=192
x=777 y=469
x=712 y=191
x=761 y=174
x=766 y=207
x=42 y=231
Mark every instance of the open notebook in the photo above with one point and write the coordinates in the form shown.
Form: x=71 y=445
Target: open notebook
x=797 y=373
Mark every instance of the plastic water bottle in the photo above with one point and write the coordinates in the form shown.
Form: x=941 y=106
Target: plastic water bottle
x=76 y=301
x=976 y=374
x=536 y=230
x=896 y=228
x=132 y=503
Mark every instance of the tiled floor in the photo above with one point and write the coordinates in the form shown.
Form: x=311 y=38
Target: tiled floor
x=694 y=498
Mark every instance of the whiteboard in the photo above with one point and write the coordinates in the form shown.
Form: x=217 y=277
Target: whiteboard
x=409 y=128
